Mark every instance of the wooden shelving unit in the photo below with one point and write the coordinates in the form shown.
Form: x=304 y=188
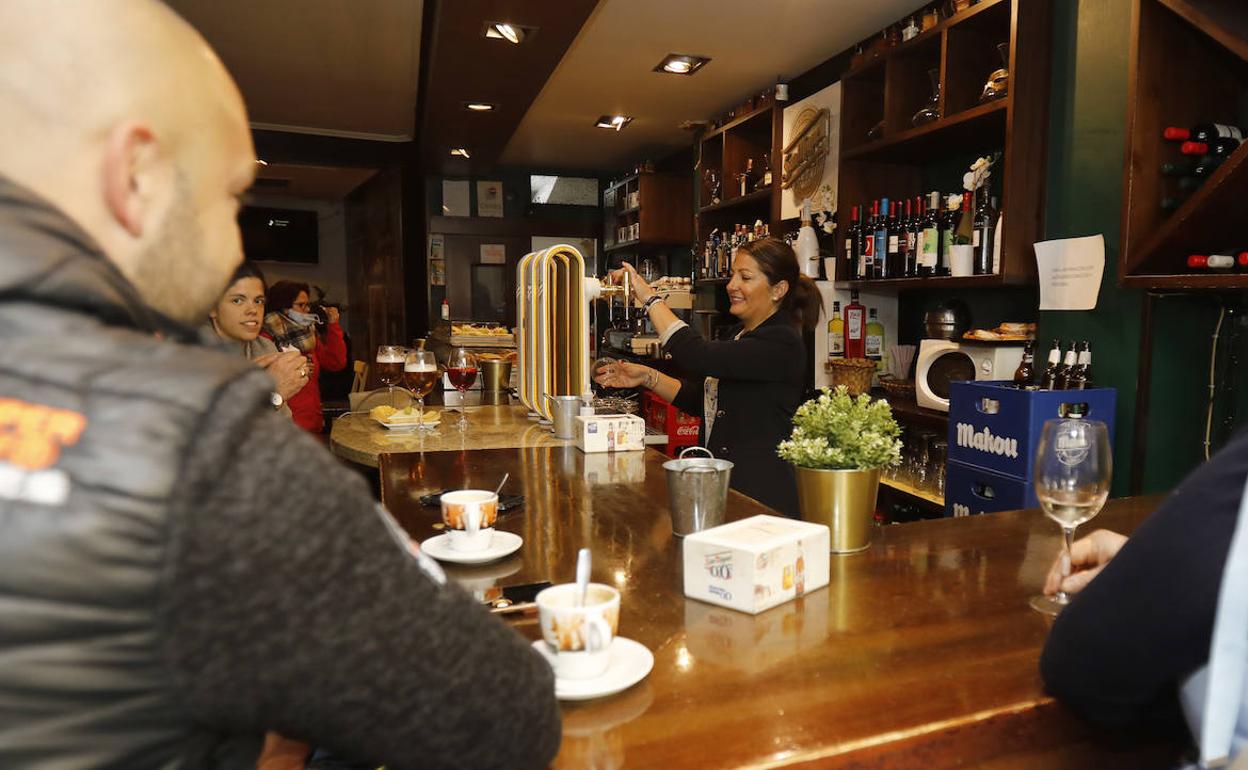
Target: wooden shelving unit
x=726 y=150
x=659 y=204
x=1210 y=38
x=893 y=85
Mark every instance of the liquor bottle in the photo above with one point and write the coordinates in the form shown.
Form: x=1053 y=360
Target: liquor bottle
x=836 y=333
x=929 y=237
x=874 y=348
x=896 y=237
x=1067 y=368
x=1049 y=380
x=851 y=245
x=855 y=328
x=1026 y=371
x=914 y=226
x=807 y=246
x=1081 y=377
x=764 y=179
x=1211 y=261
x=747 y=177
x=446 y=309
x=985 y=224
x=866 y=244
x=1202 y=133
x=881 y=241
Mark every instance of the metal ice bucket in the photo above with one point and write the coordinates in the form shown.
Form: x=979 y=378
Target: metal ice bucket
x=496 y=375
x=564 y=410
x=697 y=491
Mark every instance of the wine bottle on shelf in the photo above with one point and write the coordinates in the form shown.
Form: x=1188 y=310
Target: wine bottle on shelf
x=1203 y=168
x=855 y=327
x=896 y=237
x=1171 y=202
x=1202 y=133
x=910 y=248
x=1211 y=261
x=1026 y=371
x=866 y=245
x=881 y=241
x=1081 y=376
x=1062 y=380
x=929 y=237
x=1219 y=148
x=764 y=179
x=985 y=224
x=1180 y=170
x=1049 y=380
x=949 y=225
x=851 y=245
x=747 y=177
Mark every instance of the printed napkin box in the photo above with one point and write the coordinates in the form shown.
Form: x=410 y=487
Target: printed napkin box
x=756 y=563
x=610 y=433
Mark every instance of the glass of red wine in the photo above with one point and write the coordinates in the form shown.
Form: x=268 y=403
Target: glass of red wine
x=390 y=367
x=461 y=370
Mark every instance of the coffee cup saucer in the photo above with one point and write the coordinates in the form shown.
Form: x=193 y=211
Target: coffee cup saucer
x=501 y=544
x=630 y=663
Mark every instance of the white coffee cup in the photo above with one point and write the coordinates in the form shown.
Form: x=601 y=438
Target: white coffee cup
x=578 y=639
x=469 y=516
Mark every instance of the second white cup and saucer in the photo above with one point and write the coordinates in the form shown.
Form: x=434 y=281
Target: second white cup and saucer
x=581 y=645
x=470 y=537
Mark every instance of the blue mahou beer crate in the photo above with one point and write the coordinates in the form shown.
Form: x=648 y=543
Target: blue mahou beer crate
x=970 y=491
x=995 y=425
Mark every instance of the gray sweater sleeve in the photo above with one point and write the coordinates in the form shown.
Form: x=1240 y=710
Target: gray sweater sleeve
x=292 y=604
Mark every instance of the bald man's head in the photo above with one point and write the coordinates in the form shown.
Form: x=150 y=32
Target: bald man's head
x=120 y=113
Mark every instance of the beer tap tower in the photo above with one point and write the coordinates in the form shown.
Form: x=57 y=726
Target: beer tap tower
x=553 y=297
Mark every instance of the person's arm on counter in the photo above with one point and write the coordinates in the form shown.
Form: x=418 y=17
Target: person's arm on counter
x=293 y=604
x=1119 y=651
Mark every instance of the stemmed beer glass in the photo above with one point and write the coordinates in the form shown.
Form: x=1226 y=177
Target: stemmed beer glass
x=1072 y=473
x=390 y=367
x=461 y=370
x=420 y=372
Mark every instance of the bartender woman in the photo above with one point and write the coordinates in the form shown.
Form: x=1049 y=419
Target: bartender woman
x=745 y=389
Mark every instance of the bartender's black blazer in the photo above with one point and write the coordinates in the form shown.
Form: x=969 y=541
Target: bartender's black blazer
x=761 y=383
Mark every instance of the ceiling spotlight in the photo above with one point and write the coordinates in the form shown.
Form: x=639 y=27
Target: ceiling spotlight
x=681 y=64
x=480 y=106
x=461 y=152
x=613 y=121
x=512 y=33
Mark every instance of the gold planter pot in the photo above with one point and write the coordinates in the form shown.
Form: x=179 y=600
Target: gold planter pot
x=844 y=501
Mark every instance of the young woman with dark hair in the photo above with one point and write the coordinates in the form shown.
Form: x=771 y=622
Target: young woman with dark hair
x=745 y=389
x=291 y=324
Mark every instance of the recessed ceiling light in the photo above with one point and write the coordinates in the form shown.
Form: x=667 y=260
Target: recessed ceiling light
x=681 y=64
x=480 y=106
x=461 y=152
x=613 y=121
x=512 y=33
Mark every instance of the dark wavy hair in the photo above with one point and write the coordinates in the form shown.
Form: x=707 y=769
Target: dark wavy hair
x=778 y=262
x=283 y=293
x=250 y=270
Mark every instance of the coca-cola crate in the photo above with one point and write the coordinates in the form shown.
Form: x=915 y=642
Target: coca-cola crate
x=996 y=425
x=681 y=429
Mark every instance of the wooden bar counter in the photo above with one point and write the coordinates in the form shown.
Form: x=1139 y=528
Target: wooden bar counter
x=921 y=653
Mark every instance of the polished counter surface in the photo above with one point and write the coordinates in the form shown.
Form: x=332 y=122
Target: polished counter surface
x=921 y=653
x=361 y=439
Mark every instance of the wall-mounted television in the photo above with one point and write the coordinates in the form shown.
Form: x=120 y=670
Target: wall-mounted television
x=279 y=235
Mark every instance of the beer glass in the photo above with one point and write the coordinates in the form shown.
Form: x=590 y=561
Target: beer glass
x=420 y=372
x=390 y=367
x=461 y=370
x=1072 y=473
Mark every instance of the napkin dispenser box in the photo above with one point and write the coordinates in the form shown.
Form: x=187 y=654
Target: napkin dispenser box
x=756 y=563
x=610 y=433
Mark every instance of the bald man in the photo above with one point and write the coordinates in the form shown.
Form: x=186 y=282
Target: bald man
x=181 y=570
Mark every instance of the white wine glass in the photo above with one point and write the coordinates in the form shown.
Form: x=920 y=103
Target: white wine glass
x=420 y=372
x=390 y=367
x=1072 y=473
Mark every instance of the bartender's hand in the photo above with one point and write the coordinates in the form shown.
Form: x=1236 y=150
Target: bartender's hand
x=289 y=371
x=1088 y=556
x=641 y=289
x=622 y=374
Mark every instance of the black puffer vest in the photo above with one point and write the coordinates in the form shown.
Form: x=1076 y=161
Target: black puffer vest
x=96 y=416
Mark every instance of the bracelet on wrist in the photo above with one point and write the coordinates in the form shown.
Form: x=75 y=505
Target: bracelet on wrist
x=653 y=298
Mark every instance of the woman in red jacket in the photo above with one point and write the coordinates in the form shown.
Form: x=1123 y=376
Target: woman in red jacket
x=292 y=324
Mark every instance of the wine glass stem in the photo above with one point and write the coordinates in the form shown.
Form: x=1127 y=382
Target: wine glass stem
x=1068 y=541
x=391 y=388
x=420 y=411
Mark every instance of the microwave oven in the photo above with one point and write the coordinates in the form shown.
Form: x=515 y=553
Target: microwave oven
x=941 y=362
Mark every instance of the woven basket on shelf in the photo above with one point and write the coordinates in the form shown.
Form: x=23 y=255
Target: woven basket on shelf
x=854 y=373
x=900 y=391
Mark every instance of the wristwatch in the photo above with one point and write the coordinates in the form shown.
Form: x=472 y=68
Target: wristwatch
x=276 y=400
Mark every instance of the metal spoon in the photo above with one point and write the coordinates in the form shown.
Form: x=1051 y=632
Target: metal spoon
x=583 y=563
x=501 y=483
